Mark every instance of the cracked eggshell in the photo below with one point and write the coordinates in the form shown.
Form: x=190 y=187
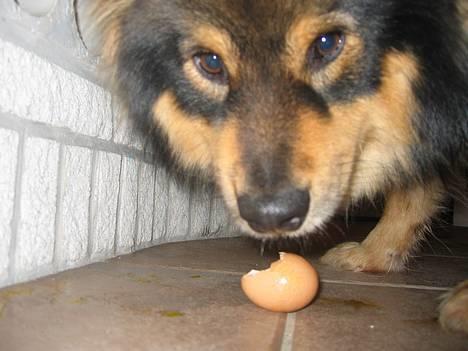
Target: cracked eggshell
x=290 y=284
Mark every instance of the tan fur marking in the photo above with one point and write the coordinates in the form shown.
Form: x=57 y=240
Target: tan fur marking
x=390 y=114
x=229 y=169
x=362 y=138
x=198 y=144
x=111 y=44
x=304 y=32
x=191 y=137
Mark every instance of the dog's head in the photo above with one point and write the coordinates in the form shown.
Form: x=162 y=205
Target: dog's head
x=292 y=106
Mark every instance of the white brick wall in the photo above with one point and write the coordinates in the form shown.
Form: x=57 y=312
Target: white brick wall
x=200 y=208
x=55 y=97
x=104 y=204
x=179 y=209
x=161 y=199
x=128 y=205
x=36 y=227
x=75 y=184
x=146 y=180
x=73 y=212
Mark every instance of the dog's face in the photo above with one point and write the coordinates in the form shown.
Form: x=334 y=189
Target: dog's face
x=294 y=107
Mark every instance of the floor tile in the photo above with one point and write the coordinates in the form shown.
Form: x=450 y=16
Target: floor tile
x=225 y=255
x=370 y=318
x=134 y=309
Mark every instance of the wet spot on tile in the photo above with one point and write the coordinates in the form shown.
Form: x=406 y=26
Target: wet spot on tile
x=9 y=294
x=171 y=314
x=54 y=288
x=142 y=279
x=139 y=310
x=355 y=304
x=15 y=292
x=79 y=301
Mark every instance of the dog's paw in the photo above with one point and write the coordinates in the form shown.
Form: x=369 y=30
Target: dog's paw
x=454 y=309
x=358 y=257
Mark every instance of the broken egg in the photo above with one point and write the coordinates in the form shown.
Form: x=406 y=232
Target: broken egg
x=290 y=284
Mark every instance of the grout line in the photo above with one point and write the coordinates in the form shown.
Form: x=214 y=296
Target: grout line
x=387 y=285
x=151 y=205
x=15 y=222
x=58 y=239
x=92 y=203
x=164 y=236
x=445 y=256
x=212 y=208
x=154 y=204
x=119 y=208
x=190 y=190
x=327 y=281
x=288 y=334
x=66 y=136
x=188 y=269
x=136 y=229
x=163 y=198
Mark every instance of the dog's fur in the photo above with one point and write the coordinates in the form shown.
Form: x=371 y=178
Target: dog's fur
x=389 y=115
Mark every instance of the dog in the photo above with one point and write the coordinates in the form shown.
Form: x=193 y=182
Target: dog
x=296 y=108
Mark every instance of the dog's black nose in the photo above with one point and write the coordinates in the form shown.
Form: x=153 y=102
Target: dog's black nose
x=283 y=211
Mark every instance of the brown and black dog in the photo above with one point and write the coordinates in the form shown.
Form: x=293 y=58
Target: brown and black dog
x=295 y=108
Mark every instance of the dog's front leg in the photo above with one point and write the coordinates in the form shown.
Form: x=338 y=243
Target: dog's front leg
x=389 y=245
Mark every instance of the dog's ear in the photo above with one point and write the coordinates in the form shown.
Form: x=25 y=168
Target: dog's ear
x=100 y=25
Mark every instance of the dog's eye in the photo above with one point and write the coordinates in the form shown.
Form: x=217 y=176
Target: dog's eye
x=325 y=49
x=211 y=66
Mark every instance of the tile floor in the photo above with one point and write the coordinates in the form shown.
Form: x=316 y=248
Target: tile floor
x=186 y=296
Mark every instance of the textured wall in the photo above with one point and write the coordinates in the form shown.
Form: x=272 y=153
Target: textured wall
x=75 y=184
